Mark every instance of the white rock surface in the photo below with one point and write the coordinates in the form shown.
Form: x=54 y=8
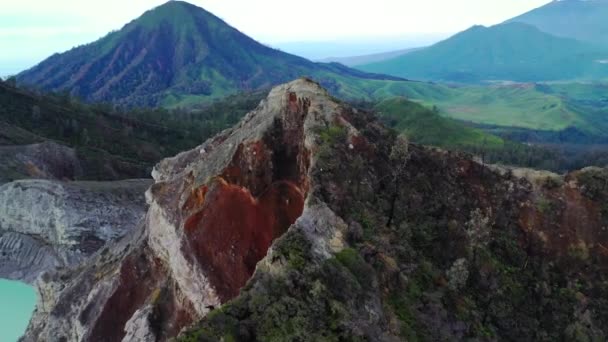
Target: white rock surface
x=49 y=224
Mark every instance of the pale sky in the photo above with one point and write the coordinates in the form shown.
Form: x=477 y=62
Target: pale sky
x=31 y=30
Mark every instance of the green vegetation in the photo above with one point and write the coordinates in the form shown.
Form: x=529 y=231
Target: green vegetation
x=332 y=135
x=546 y=106
x=509 y=291
x=513 y=52
x=209 y=60
x=113 y=144
x=427 y=127
x=176 y=55
x=519 y=105
x=309 y=303
x=449 y=265
x=594 y=182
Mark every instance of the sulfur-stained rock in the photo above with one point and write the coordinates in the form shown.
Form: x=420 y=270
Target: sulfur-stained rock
x=301 y=223
x=214 y=213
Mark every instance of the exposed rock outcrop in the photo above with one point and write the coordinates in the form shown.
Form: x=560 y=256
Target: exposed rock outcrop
x=48 y=224
x=47 y=160
x=214 y=212
x=311 y=221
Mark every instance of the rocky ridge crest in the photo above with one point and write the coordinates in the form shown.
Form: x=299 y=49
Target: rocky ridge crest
x=309 y=220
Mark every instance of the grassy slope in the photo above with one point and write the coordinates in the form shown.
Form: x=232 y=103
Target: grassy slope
x=514 y=51
x=427 y=127
x=556 y=150
x=522 y=106
x=550 y=106
x=518 y=105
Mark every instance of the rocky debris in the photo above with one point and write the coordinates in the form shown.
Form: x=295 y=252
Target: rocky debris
x=311 y=221
x=48 y=224
x=47 y=160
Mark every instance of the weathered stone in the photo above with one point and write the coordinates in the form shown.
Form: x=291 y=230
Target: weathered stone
x=214 y=213
x=225 y=218
x=47 y=160
x=50 y=224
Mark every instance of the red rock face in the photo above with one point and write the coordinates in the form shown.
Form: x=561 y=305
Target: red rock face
x=232 y=221
x=139 y=276
x=234 y=230
x=142 y=279
x=571 y=221
x=171 y=313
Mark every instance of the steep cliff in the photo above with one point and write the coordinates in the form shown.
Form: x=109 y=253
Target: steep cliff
x=311 y=221
x=48 y=224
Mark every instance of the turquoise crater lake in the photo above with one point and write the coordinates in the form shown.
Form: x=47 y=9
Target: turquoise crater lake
x=17 y=301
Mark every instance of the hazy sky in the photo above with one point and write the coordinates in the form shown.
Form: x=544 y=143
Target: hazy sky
x=30 y=30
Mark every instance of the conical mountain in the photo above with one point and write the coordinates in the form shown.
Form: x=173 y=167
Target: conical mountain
x=174 y=53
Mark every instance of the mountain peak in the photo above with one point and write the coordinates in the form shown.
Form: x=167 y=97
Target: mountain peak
x=175 y=7
x=175 y=54
x=176 y=3
x=176 y=13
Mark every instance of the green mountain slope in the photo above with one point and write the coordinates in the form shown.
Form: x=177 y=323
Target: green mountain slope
x=110 y=144
x=585 y=20
x=515 y=52
x=542 y=106
x=175 y=54
x=521 y=105
x=425 y=126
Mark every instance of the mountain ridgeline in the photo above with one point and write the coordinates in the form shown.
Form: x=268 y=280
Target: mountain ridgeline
x=514 y=52
x=584 y=20
x=344 y=232
x=347 y=205
x=66 y=139
x=174 y=54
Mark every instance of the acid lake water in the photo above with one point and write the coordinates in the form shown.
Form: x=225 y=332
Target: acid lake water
x=17 y=302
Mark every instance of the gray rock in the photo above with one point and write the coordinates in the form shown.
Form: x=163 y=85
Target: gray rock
x=159 y=270
x=49 y=224
x=47 y=160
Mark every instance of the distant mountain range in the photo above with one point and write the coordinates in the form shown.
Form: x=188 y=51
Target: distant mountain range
x=366 y=59
x=173 y=55
x=563 y=40
x=179 y=55
x=514 y=52
x=585 y=20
